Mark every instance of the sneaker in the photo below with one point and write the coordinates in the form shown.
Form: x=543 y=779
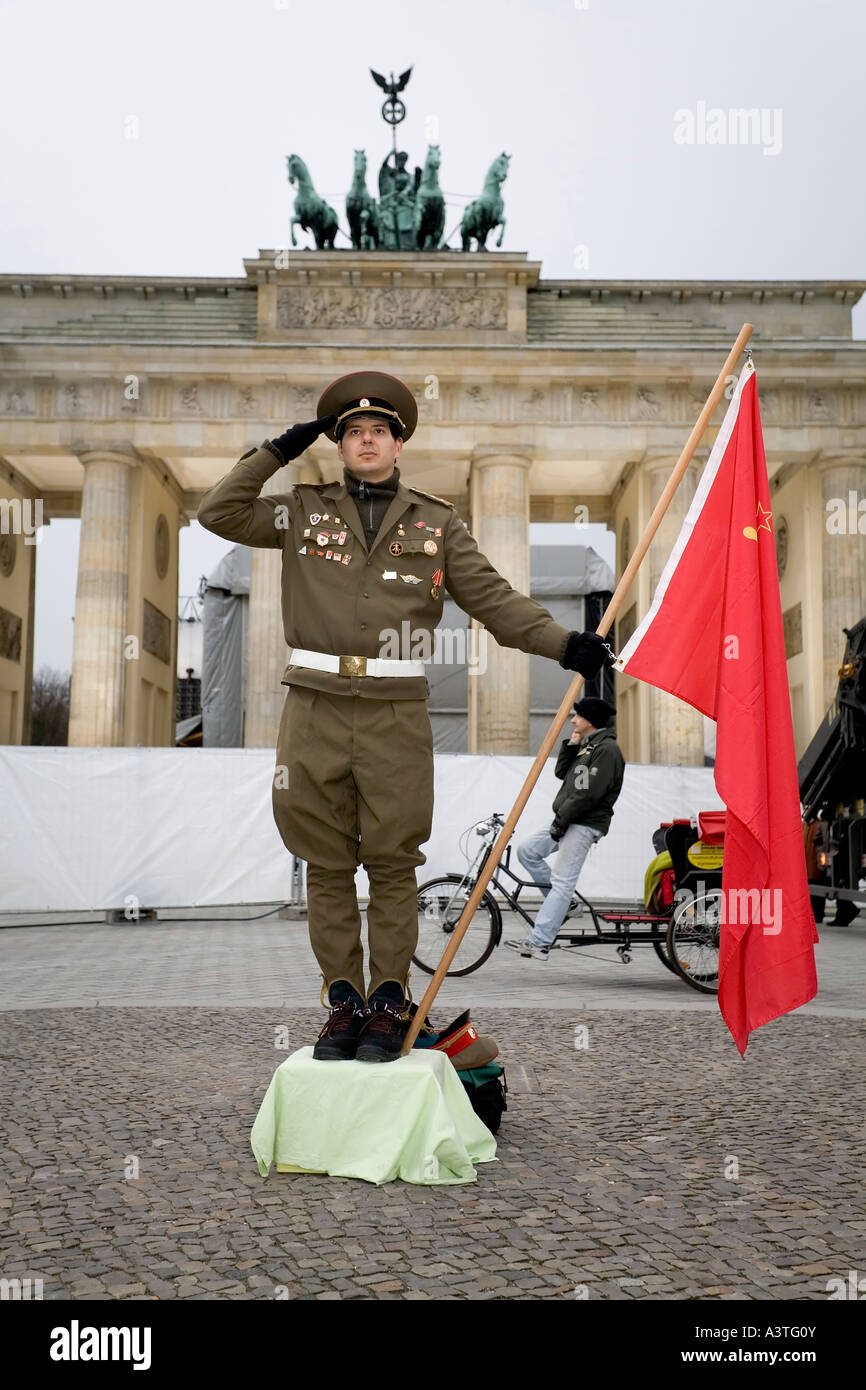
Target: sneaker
x=338 y=1040
x=528 y=948
x=383 y=1029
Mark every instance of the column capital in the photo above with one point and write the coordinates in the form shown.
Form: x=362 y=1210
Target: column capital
x=654 y=463
x=823 y=463
x=98 y=455
x=660 y=459
x=517 y=455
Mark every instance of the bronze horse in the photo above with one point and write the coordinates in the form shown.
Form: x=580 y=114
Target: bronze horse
x=311 y=212
x=429 y=221
x=362 y=210
x=486 y=212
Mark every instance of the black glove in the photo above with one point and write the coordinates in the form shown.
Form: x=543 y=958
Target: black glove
x=557 y=831
x=586 y=652
x=293 y=443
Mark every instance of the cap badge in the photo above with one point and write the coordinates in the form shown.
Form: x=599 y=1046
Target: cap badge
x=363 y=401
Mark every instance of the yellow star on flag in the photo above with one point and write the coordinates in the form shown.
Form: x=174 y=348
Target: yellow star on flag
x=763 y=520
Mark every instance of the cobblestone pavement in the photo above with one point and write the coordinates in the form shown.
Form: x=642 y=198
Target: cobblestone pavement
x=240 y=959
x=610 y=1182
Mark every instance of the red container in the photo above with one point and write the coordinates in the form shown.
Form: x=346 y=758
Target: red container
x=712 y=826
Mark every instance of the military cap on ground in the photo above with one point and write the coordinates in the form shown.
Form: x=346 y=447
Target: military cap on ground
x=466 y=1047
x=369 y=393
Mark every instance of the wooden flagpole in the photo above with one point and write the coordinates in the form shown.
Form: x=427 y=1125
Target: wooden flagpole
x=571 y=694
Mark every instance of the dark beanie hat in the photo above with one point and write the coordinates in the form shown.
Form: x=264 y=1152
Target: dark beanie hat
x=598 y=712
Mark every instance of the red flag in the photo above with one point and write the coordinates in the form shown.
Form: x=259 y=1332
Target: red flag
x=713 y=637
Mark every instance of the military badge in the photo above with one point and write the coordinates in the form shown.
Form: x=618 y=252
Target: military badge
x=430 y=547
x=438 y=577
x=345 y=559
x=389 y=574
x=395 y=548
x=315 y=518
x=421 y=525
x=303 y=550
x=410 y=579
x=341 y=539
x=322 y=538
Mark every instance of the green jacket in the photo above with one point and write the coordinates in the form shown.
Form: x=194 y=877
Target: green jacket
x=591 y=774
x=339 y=595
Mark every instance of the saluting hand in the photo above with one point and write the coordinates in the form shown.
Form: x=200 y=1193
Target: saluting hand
x=295 y=440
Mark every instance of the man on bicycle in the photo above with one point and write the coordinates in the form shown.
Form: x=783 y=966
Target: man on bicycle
x=591 y=767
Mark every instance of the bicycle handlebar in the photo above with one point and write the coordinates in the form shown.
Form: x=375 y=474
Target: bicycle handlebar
x=485 y=826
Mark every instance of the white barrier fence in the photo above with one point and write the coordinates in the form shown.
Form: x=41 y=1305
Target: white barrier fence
x=91 y=829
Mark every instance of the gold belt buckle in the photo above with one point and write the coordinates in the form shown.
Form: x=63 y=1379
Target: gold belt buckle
x=353 y=666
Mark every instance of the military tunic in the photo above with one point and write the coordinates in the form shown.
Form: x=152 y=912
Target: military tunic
x=357 y=750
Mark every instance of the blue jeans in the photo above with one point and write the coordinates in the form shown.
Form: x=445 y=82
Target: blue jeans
x=559 y=883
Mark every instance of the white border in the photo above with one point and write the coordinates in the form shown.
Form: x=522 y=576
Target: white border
x=708 y=477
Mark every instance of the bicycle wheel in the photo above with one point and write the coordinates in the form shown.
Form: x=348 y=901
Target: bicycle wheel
x=440 y=903
x=693 y=942
x=663 y=956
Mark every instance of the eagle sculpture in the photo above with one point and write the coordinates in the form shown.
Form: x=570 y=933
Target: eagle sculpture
x=392 y=87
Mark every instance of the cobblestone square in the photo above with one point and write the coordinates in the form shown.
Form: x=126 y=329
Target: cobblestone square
x=650 y=1163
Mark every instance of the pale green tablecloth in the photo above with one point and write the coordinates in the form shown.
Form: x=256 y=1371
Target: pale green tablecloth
x=408 y=1119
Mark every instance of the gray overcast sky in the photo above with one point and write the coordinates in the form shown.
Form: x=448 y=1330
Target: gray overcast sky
x=582 y=95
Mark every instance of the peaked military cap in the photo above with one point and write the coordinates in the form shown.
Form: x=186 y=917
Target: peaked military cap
x=368 y=393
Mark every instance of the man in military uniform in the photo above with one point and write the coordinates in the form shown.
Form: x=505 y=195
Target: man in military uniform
x=363 y=558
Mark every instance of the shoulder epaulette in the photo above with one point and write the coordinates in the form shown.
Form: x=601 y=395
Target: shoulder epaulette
x=431 y=496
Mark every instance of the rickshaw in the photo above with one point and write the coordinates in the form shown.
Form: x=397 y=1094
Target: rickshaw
x=679 y=917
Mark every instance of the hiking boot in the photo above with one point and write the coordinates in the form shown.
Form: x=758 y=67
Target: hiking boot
x=339 y=1037
x=382 y=1033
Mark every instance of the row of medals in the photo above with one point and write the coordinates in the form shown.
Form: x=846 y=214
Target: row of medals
x=395 y=548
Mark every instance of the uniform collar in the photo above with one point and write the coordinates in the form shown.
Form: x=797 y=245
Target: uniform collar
x=388 y=486
x=338 y=492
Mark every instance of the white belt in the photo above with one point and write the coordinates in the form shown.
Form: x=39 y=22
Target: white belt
x=354 y=665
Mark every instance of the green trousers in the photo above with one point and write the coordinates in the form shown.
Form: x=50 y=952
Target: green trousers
x=354 y=785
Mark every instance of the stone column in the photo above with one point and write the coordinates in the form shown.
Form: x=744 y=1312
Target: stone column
x=97 y=691
x=267 y=652
x=499 y=694
x=843 y=560
x=676 y=730
x=20 y=535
